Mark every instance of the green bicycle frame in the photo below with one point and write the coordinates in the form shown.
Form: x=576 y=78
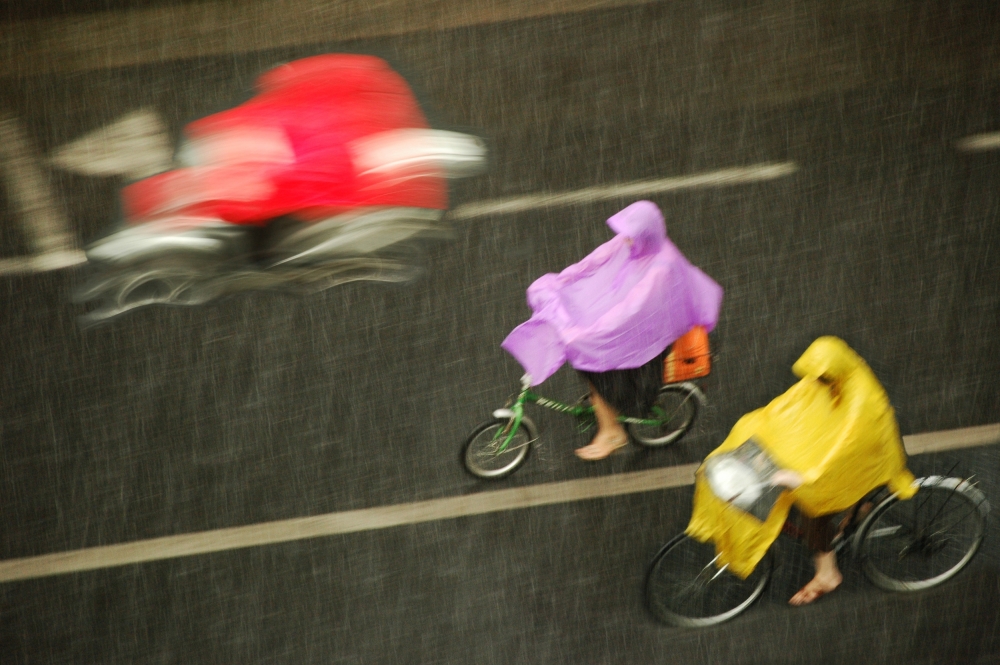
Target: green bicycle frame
x=527 y=396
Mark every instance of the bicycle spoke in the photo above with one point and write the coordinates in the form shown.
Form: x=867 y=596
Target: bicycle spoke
x=721 y=571
x=956 y=522
x=496 y=449
x=669 y=417
x=885 y=531
x=686 y=587
x=935 y=516
x=919 y=543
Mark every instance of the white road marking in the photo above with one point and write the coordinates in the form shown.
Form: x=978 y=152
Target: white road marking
x=136 y=145
x=44 y=225
x=344 y=522
x=384 y=517
x=722 y=178
x=95 y=154
x=979 y=142
x=967 y=437
x=24 y=265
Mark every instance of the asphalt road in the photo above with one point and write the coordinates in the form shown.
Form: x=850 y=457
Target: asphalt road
x=264 y=407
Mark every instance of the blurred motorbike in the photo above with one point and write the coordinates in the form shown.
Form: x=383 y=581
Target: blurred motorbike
x=329 y=174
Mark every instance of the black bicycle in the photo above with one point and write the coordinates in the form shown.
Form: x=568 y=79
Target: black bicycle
x=903 y=545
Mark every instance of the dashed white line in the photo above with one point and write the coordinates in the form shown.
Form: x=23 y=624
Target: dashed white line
x=25 y=265
x=136 y=145
x=722 y=178
x=967 y=437
x=384 y=517
x=979 y=142
x=349 y=521
x=45 y=227
x=71 y=156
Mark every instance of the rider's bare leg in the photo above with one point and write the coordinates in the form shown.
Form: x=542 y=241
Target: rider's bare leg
x=827 y=579
x=610 y=434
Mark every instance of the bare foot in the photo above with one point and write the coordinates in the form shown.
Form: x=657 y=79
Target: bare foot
x=827 y=579
x=814 y=591
x=602 y=446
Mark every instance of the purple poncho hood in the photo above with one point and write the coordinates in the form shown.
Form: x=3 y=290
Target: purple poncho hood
x=619 y=307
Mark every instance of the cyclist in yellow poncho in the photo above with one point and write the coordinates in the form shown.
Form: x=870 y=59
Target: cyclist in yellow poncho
x=834 y=437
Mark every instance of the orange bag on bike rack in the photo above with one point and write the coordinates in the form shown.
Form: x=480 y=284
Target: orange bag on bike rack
x=690 y=358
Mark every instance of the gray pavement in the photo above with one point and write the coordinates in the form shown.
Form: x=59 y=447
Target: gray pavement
x=263 y=407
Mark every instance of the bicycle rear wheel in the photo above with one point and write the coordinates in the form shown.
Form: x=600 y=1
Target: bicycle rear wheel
x=481 y=455
x=684 y=588
x=675 y=408
x=924 y=541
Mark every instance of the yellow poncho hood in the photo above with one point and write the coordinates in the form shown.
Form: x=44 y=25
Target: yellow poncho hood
x=839 y=433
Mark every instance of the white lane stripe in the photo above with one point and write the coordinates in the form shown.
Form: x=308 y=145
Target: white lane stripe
x=44 y=226
x=384 y=517
x=955 y=439
x=979 y=142
x=23 y=265
x=344 y=522
x=136 y=145
x=722 y=178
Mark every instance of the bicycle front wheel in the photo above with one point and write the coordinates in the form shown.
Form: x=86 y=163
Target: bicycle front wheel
x=926 y=540
x=674 y=412
x=484 y=455
x=685 y=588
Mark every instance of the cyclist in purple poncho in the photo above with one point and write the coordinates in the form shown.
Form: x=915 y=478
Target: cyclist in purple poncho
x=613 y=317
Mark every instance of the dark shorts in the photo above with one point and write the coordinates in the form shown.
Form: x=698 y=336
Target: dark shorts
x=630 y=392
x=818 y=533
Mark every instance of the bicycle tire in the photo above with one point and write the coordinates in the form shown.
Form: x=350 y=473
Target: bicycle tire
x=945 y=521
x=678 y=403
x=478 y=450
x=678 y=581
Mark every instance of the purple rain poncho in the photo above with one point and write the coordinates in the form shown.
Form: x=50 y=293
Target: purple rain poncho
x=619 y=307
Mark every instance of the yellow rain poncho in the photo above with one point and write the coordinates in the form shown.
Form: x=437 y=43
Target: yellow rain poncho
x=839 y=434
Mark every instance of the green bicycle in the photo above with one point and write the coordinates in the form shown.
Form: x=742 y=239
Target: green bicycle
x=499 y=446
